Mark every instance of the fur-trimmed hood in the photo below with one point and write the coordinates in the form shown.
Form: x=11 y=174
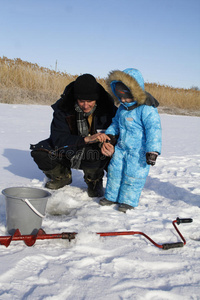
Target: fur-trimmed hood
x=133 y=79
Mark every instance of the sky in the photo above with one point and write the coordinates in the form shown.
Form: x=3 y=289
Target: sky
x=158 y=37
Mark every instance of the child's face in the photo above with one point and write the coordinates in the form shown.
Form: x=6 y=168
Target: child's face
x=127 y=100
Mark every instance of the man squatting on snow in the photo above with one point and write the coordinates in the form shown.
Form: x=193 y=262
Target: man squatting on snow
x=83 y=109
x=138 y=130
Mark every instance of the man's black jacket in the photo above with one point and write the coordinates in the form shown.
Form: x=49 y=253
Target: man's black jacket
x=64 y=134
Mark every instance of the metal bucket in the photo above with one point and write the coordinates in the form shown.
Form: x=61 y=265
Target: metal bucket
x=25 y=209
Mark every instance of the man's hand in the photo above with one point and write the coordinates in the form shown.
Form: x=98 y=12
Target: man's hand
x=95 y=138
x=107 y=149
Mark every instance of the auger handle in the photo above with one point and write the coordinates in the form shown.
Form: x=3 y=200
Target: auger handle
x=172 y=245
x=189 y=220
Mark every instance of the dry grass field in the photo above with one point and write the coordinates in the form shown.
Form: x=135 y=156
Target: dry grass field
x=26 y=83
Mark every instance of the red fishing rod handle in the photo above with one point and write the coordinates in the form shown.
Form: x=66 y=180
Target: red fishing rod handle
x=179 y=221
x=179 y=244
x=129 y=233
x=165 y=246
x=183 y=220
x=30 y=240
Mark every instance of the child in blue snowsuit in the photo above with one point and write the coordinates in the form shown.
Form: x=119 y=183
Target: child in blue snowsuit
x=138 y=129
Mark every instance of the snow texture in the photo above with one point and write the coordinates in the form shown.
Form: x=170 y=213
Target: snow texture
x=94 y=267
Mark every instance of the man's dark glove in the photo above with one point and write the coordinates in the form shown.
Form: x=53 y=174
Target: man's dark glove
x=151 y=158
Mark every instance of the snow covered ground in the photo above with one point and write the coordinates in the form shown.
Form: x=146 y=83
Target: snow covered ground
x=93 y=267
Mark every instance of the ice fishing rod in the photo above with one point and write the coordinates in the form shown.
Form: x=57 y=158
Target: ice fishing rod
x=30 y=240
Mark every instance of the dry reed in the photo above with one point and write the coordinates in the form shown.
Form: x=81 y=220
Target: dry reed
x=24 y=82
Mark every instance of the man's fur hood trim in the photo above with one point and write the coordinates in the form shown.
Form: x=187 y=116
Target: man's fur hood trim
x=139 y=94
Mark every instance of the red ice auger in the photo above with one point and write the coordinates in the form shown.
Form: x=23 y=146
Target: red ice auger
x=30 y=240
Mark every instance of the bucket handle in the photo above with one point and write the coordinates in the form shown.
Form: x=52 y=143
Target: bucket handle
x=33 y=208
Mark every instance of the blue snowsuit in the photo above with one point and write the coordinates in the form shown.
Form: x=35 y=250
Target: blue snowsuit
x=139 y=129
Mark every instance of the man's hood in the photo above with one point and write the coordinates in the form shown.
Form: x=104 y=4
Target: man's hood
x=105 y=103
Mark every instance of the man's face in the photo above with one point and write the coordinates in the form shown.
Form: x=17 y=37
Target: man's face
x=86 y=105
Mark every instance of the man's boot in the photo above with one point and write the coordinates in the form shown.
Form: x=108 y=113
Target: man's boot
x=58 y=177
x=94 y=180
x=95 y=187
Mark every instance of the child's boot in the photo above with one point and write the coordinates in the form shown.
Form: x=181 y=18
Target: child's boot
x=104 y=202
x=124 y=207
